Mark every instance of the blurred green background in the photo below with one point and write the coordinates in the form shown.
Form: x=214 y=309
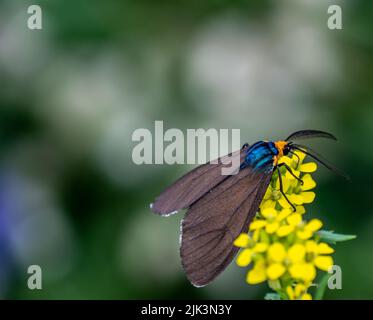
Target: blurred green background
x=71 y=199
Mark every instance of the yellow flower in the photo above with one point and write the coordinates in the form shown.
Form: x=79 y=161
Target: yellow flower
x=276 y=254
x=296 y=164
x=242 y=241
x=273 y=197
x=297 y=193
x=275 y=271
x=303 y=271
x=257 y=274
x=281 y=247
x=272 y=220
x=295 y=223
x=292 y=222
x=318 y=254
x=300 y=192
x=299 y=292
x=299 y=262
x=296 y=253
x=251 y=248
x=307 y=230
x=292 y=260
x=305 y=257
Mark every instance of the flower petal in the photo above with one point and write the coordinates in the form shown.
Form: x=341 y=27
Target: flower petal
x=296 y=199
x=311 y=246
x=276 y=252
x=290 y=292
x=257 y=274
x=283 y=203
x=257 y=224
x=283 y=214
x=309 y=272
x=296 y=253
x=308 y=196
x=267 y=204
x=323 y=262
x=287 y=160
x=324 y=248
x=275 y=271
x=298 y=157
x=244 y=258
x=285 y=230
x=268 y=194
x=260 y=247
x=272 y=227
x=306 y=296
x=294 y=219
x=269 y=213
x=303 y=271
x=300 y=289
x=304 y=234
x=242 y=241
x=300 y=209
x=313 y=225
x=289 y=176
x=308 y=167
x=308 y=182
x=256 y=235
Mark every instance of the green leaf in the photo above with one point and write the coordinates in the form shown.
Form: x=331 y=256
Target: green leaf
x=272 y=296
x=331 y=237
x=321 y=287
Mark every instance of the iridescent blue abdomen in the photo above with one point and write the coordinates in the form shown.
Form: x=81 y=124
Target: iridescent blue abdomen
x=260 y=156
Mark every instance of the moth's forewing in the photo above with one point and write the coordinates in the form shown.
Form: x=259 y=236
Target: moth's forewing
x=193 y=185
x=213 y=223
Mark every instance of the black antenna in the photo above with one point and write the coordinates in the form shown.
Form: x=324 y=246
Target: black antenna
x=309 y=134
x=320 y=159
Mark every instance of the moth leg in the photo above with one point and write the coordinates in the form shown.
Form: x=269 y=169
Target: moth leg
x=282 y=189
x=290 y=171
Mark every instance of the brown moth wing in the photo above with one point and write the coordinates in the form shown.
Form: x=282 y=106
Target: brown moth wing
x=213 y=223
x=193 y=185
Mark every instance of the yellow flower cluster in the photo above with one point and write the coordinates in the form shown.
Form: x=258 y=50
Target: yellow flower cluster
x=281 y=245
